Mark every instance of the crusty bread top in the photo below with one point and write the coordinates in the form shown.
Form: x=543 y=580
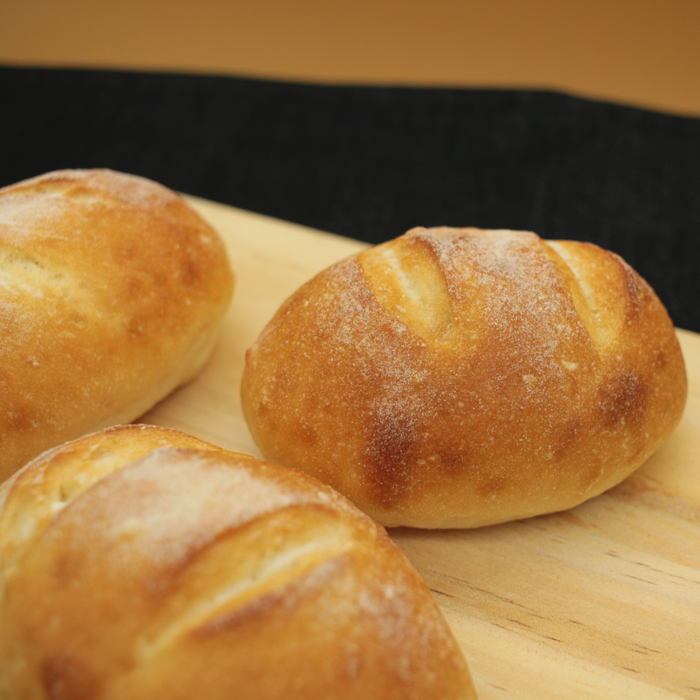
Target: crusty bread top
x=112 y=290
x=460 y=377
x=142 y=563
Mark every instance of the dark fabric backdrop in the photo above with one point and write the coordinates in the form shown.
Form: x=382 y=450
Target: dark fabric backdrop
x=372 y=162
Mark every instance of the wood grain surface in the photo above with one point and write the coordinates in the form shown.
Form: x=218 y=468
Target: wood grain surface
x=602 y=601
x=639 y=52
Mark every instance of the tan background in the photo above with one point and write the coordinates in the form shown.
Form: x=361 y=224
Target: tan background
x=640 y=52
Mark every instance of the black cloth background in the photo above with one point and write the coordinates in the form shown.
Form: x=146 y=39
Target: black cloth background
x=372 y=162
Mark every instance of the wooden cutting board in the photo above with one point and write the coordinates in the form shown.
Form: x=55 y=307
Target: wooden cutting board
x=602 y=601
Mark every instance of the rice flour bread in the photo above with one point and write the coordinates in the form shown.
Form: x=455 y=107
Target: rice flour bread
x=463 y=377
x=142 y=563
x=112 y=291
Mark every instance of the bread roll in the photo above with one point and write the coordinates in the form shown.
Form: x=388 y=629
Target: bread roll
x=461 y=377
x=112 y=291
x=141 y=563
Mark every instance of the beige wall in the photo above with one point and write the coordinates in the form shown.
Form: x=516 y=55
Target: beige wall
x=643 y=52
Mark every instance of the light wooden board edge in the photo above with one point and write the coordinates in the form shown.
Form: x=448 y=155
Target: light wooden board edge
x=485 y=581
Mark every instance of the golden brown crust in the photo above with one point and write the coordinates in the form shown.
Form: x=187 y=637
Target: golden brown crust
x=460 y=377
x=112 y=290
x=140 y=562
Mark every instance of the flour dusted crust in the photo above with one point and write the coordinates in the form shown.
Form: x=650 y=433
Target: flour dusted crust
x=462 y=377
x=112 y=291
x=143 y=563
